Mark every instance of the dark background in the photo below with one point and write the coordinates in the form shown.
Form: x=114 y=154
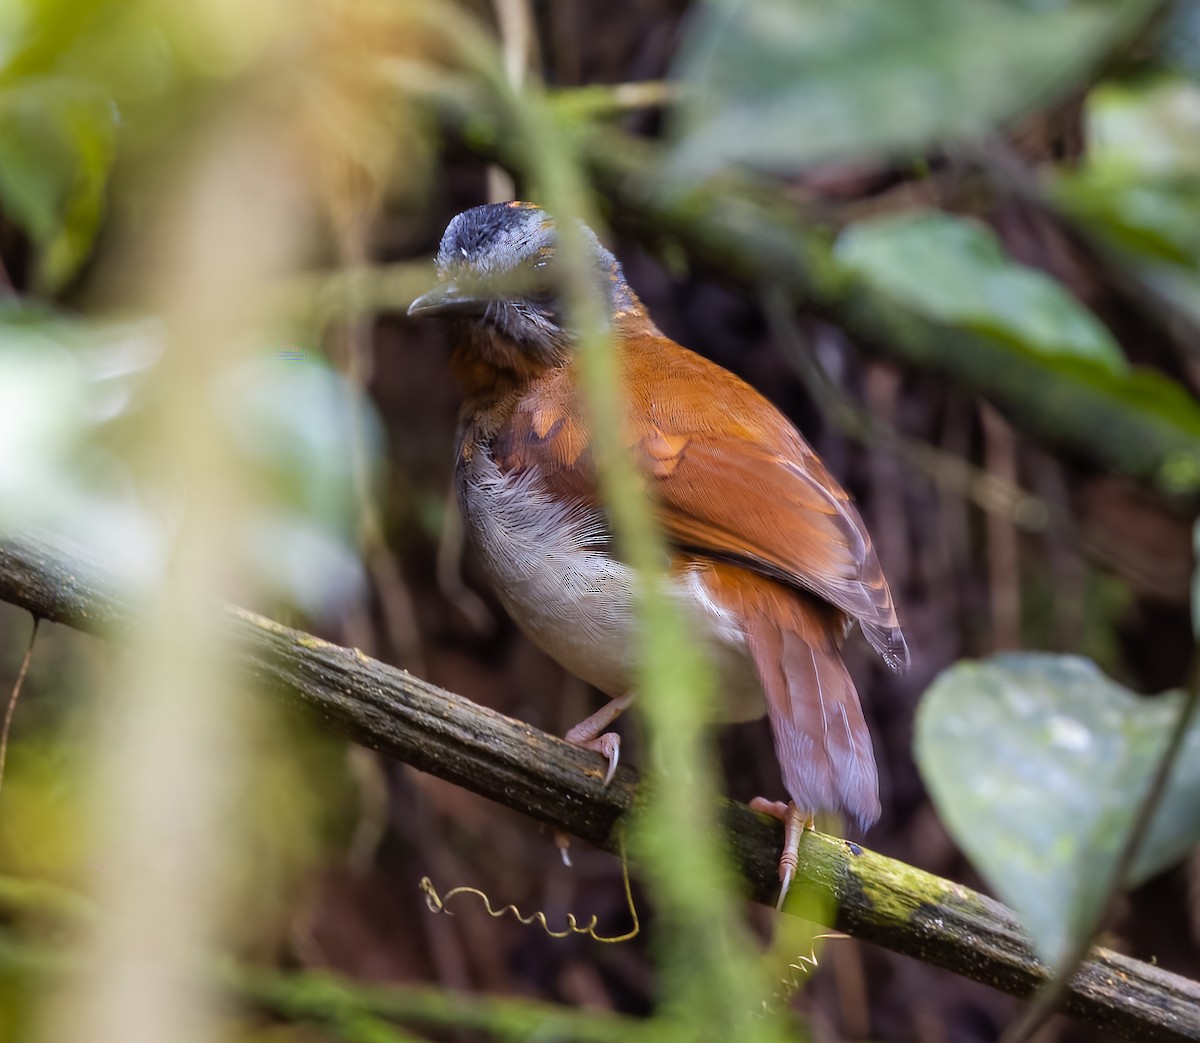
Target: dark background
x=1110 y=579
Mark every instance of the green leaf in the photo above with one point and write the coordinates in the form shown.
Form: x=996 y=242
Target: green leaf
x=955 y=271
x=73 y=401
x=1138 y=186
x=1037 y=765
x=781 y=84
x=42 y=418
x=1148 y=126
x=1158 y=219
x=1137 y=193
x=1176 y=39
x=294 y=422
x=57 y=139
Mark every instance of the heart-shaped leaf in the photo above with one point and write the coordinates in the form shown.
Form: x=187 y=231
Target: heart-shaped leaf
x=1038 y=764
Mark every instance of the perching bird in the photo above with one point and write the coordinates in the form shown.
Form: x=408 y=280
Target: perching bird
x=769 y=558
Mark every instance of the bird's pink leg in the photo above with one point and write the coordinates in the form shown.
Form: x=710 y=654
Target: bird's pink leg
x=795 y=822
x=591 y=735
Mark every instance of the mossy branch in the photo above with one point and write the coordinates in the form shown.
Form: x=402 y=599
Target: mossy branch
x=874 y=898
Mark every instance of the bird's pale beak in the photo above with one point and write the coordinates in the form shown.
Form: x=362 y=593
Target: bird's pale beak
x=447 y=299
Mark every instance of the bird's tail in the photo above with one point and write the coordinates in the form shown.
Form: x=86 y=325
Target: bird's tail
x=821 y=737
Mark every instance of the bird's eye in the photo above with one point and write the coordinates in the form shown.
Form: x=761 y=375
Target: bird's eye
x=540 y=286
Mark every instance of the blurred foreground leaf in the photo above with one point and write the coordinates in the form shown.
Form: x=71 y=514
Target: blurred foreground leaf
x=75 y=401
x=293 y=420
x=781 y=84
x=61 y=385
x=1178 y=37
x=1037 y=764
x=57 y=140
x=955 y=271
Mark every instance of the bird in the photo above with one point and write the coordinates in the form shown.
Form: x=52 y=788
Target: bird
x=770 y=561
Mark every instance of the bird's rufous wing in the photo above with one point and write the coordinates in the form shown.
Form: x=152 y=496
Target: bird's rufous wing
x=731 y=477
x=734 y=480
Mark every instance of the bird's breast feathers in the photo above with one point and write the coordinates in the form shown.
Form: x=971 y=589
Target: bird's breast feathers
x=550 y=562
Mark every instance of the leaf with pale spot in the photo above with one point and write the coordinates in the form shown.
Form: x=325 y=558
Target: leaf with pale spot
x=1037 y=765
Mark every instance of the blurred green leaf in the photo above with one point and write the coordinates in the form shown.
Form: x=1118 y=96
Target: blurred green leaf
x=294 y=417
x=1137 y=192
x=74 y=399
x=66 y=394
x=297 y=424
x=1157 y=219
x=1037 y=765
x=42 y=395
x=301 y=562
x=57 y=139
x=955 y=271
x=1139 y=182
x=71 y=71
x=1157 y=397
x=781 y=84
x=1148 y=126
x=1177 y=37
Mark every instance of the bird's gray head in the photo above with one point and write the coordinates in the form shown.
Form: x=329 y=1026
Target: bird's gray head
x=498 y=270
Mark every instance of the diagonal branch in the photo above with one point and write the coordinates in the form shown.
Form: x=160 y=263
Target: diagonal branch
x=876 y=899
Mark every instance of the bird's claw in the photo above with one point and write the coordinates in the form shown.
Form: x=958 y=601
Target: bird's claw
x=795 y=822
x=563 y=842
x=608 y=745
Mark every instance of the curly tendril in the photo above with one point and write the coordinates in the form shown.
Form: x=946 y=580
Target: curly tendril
x=438 y=904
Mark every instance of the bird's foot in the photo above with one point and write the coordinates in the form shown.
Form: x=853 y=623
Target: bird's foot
x=608 y=744
x=590 y=735
x=795 y=822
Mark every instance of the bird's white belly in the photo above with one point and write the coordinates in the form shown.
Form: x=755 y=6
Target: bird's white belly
x=551 y=568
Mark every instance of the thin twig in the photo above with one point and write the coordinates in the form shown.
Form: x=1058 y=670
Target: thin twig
x=12 y=699
x=448 y=560
x=395 y=601
x=991 y=493
x=1003 y=551
x=515 y=22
